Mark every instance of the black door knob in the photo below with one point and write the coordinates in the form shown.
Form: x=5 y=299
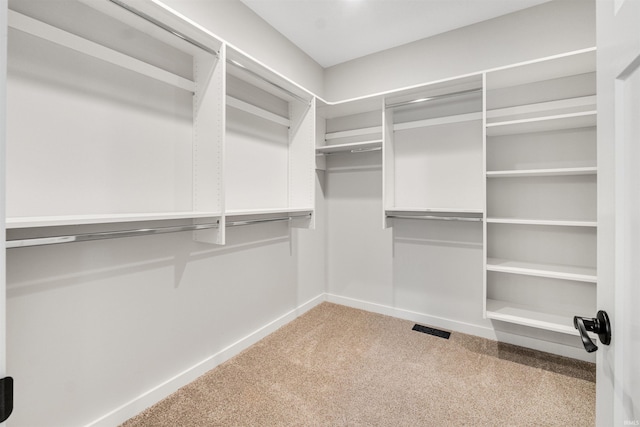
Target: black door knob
x=599 y=325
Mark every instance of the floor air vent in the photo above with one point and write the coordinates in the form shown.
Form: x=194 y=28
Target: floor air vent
x=431 y=331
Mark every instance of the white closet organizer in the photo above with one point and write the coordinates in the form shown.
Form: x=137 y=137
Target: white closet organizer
x=350 y=128
x=541 y=192
x=433 y=152
x=270 y=141
x=112 y=117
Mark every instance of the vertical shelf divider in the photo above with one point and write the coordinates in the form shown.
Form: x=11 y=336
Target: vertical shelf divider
x=208 y=141
x=484 y=190
x=388 y=163
x=302 y=134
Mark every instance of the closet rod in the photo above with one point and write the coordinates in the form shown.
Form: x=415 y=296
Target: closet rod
x=258 y=76
x=164 y=27
x=353 y=151
x=443 y=218
x=433 y=98
x=258 y=221
x=366 y=150
x=42 y=241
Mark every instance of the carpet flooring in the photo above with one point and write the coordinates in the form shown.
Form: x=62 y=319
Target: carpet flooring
x=338 y=366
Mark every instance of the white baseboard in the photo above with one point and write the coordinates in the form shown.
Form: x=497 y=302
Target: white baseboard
x=465 y=328
x=163 y=390
x=140 y=403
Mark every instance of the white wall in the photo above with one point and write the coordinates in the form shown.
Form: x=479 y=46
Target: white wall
x=238 y=25
x=554 y=27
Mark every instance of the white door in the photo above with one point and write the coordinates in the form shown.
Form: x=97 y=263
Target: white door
x=618 y=365
x=3 y=290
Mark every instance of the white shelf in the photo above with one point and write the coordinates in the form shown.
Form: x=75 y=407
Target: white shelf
x=561 y=106
x=564 y=272
x=583 y=119
x=558 y=321
x=354 y=147
x=65 y=220
x=55 y=35
x=397 y=210
x=561 y=223
x=353 y=132
x=460 y=118
x=471 y=215
x=542 y=172
x=244 y=212
x=257 y=111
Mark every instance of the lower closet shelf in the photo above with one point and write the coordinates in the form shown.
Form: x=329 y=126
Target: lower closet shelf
x=556 y=321
x=553 y=271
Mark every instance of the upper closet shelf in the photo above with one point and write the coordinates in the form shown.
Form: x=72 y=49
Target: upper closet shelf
x=64 y=220
x=47 y=32
x=528 y=111
x=459 y=118
x=582 y=119
x=257 y=111
x=353 y=147
x=542 y=172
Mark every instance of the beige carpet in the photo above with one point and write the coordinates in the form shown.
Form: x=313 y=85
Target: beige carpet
x=337 y=366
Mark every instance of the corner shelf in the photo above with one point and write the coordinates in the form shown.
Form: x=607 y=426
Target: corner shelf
x=552 y=271
x=257 y=111
x=353 y=132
